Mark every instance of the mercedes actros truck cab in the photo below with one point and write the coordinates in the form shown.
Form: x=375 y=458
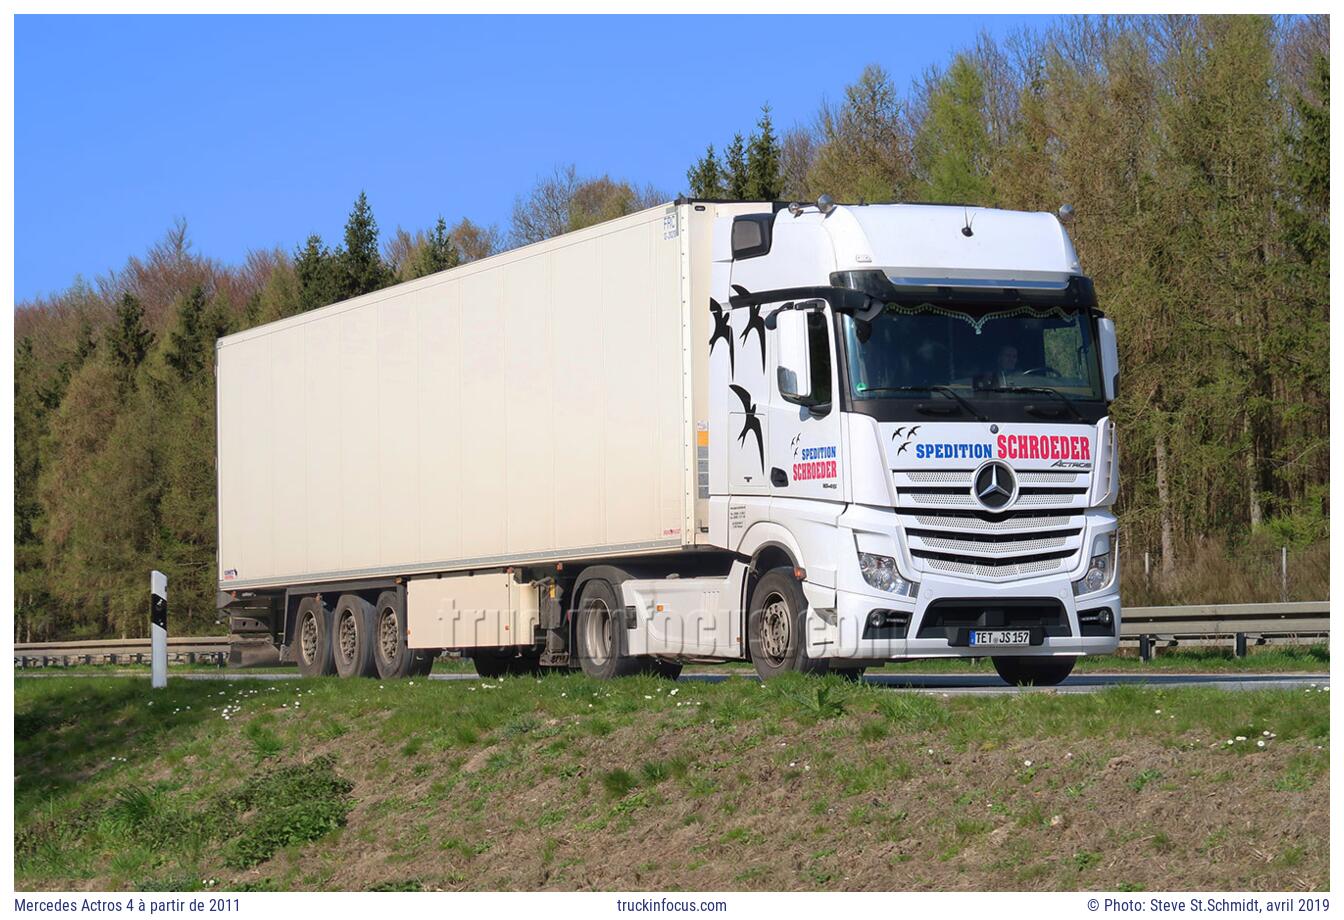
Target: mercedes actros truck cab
x=919 y=420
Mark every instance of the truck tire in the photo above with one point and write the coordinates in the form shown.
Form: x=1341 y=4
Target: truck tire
x=1033 y=671
x=392 y=656
x=776 y=623
x=312 y=633
x=353 y=637
x=600 y=634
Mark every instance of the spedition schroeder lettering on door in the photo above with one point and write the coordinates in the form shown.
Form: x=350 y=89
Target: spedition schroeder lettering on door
x=815 y=463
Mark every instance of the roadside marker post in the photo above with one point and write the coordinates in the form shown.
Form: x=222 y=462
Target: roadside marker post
x=158 y=629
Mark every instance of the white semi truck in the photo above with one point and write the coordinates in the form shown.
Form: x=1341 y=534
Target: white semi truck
x=816 y=437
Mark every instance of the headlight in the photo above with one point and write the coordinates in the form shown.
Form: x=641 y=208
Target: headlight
x=1100 y=573
x=880 y=572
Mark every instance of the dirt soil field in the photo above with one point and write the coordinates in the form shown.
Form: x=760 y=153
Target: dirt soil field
x=647 y=785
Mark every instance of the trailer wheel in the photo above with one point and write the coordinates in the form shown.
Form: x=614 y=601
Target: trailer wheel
x=776 y=627
x=1031 y=671
x=600 y=633
x=312 y=632
x=392 y=656
x=353 y=637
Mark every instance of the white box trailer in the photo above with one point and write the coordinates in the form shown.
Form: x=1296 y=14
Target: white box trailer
x=532 y=406
x=554 y=457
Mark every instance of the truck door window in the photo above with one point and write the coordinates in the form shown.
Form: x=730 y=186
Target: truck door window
x=819 y=362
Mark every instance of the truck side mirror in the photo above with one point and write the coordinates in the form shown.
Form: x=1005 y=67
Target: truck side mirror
x=795 y=365
x=1110 y=358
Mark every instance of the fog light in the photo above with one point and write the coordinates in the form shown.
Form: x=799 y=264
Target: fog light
x=877 y=618
x=1106 y=618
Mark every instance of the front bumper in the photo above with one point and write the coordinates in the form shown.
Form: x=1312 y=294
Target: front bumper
x=840 y=633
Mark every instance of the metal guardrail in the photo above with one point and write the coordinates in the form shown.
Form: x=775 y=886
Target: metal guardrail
x=1198 y=624
x=181 y=649
x=1203 y=624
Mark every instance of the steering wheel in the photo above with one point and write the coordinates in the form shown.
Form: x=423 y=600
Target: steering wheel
x=1042 y=371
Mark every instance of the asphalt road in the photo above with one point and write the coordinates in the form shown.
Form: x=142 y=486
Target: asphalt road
x=945 y=684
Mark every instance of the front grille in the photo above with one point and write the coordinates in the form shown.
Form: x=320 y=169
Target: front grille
x=949 y=532
x=943 y=619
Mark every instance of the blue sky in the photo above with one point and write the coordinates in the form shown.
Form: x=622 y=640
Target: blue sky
x=261 y=130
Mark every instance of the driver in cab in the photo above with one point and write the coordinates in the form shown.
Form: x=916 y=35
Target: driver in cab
x=1004 y=369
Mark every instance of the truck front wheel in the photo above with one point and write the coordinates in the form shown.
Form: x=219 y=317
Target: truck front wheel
x=600 y=634
x=776 y=626
x=1039 y=672
x=312 y=634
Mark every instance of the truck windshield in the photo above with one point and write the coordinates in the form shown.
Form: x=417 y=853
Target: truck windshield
x=909 y=351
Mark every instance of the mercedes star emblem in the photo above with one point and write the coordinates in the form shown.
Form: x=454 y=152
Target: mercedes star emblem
x=994 y=485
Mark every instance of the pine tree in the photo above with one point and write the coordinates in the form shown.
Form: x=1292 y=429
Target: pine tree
x=191 y=344
x=316 y=270
x=128 y=340
x=441 y=252
x=735 y=169
x=764 y=180
x=706 y=176
x=364 y=269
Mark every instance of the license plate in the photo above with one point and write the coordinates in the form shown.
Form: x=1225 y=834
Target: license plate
x=1000 y=637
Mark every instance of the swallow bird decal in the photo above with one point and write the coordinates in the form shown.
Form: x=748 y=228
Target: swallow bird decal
x=909 y=435
x=755 y=323
x=722 y=330
x=794 y=443
x=752 y=424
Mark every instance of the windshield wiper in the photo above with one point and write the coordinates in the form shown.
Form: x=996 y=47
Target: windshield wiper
x=1050 y=391
x=935 y=388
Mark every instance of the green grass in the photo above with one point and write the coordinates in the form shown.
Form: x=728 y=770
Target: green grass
x=259 y=782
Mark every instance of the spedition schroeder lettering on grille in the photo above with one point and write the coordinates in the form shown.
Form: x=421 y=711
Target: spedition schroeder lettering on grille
x=1043 y=447
x=948 y=451
x=1010 y=447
